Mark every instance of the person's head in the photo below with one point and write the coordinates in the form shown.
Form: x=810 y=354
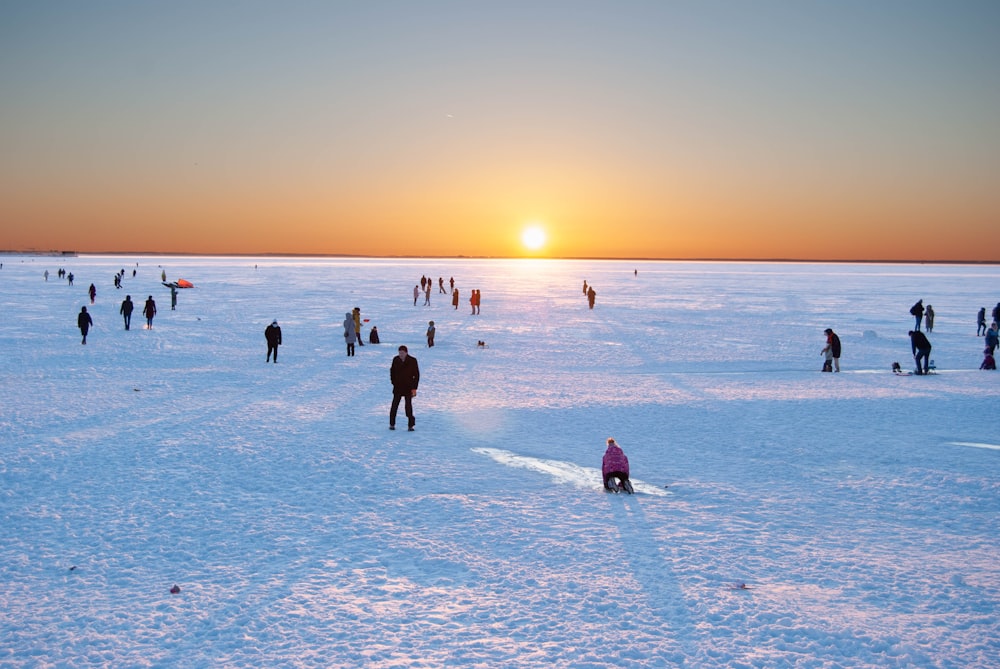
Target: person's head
x=128 y=298
x=611 y=441
x=150 y=297
x=275 y=322
x=910 y=333
x=431 y=323
x=828 y=331
x=403 y=352
x=83 y=309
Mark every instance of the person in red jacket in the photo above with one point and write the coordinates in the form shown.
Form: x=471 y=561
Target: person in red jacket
x=615 y=466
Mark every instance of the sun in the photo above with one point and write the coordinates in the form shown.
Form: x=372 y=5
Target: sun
x=533 y=237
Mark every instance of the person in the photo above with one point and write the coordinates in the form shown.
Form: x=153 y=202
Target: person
x=827 y=354
x=992 y=338
x=357 y=326
x=921 y=349
x=83 y=321
x=46 y=275
x=917 y=311
x=163 y=275
x=584 y=286
x=591 y=296
x=350 y=334
x=404 y=373
x=173 y=298
x=832 y=350
x=929 y=318
x=272 y=333
x=93 y=292
x=427 y=294
x=430 y=334
x=126 y=311
x=373 y=336
x=451 y=283
x=416 y=294
x=149 y=310
x=989 y=362
x=981 y=322
x=454 y=298
x=615 y=466
x=441 y=289
x=69 y=278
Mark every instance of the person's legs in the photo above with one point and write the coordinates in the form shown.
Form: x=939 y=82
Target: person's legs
x=408 y=407
x=392 y=411
x=836 y=364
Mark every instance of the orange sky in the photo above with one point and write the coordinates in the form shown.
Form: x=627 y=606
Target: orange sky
x=635 y=130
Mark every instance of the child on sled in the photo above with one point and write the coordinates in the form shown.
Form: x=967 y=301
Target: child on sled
x=615 y=466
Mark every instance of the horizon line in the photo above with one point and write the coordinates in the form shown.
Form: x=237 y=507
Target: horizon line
x=872 y=261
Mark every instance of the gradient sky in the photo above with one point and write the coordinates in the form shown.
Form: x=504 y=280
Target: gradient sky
x=798 y=129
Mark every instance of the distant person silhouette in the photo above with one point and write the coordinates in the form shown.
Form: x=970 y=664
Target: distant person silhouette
x=83 y=321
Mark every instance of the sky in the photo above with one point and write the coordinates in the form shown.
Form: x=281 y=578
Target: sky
x=818 y=130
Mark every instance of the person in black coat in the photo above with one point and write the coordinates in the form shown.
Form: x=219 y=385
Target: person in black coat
x=83 y=321
x=405 y=376
x=126 y=310
x=272 y=333
x=917 y=311
x=921 y=348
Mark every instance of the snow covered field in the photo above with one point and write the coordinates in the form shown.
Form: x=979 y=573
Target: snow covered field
x=860 y=508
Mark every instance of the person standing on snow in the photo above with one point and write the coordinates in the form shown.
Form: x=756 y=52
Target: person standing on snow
x=832 y=350
x=981 y=322
x=405 y=376
x=357 y=326
x=615 y=466
x=917 y=311
x=350 y=334
x=272 y=333
x=83 y=321
x=430 y=334
x=126 y=311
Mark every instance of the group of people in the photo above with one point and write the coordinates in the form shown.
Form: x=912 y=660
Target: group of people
x=85 y=322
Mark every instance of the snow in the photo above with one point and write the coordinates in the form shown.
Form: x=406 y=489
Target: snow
x=860 y=508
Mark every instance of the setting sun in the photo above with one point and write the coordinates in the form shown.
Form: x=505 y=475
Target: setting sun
x=533 y=238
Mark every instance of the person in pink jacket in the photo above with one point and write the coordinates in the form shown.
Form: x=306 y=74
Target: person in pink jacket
x=615 y=466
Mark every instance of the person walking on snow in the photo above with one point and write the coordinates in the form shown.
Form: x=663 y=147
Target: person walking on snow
x=615 y=466
x=992 y=338
x=416 y=294
x=83 y=321
x=149 y=310
x=350 y=334
x=126 y=311
x=93 y=292
x=405 y=376
x=430 y=334
x=981 y=322
x=272 y=333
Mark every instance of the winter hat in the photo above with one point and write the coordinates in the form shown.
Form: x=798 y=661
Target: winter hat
x=274 y=322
